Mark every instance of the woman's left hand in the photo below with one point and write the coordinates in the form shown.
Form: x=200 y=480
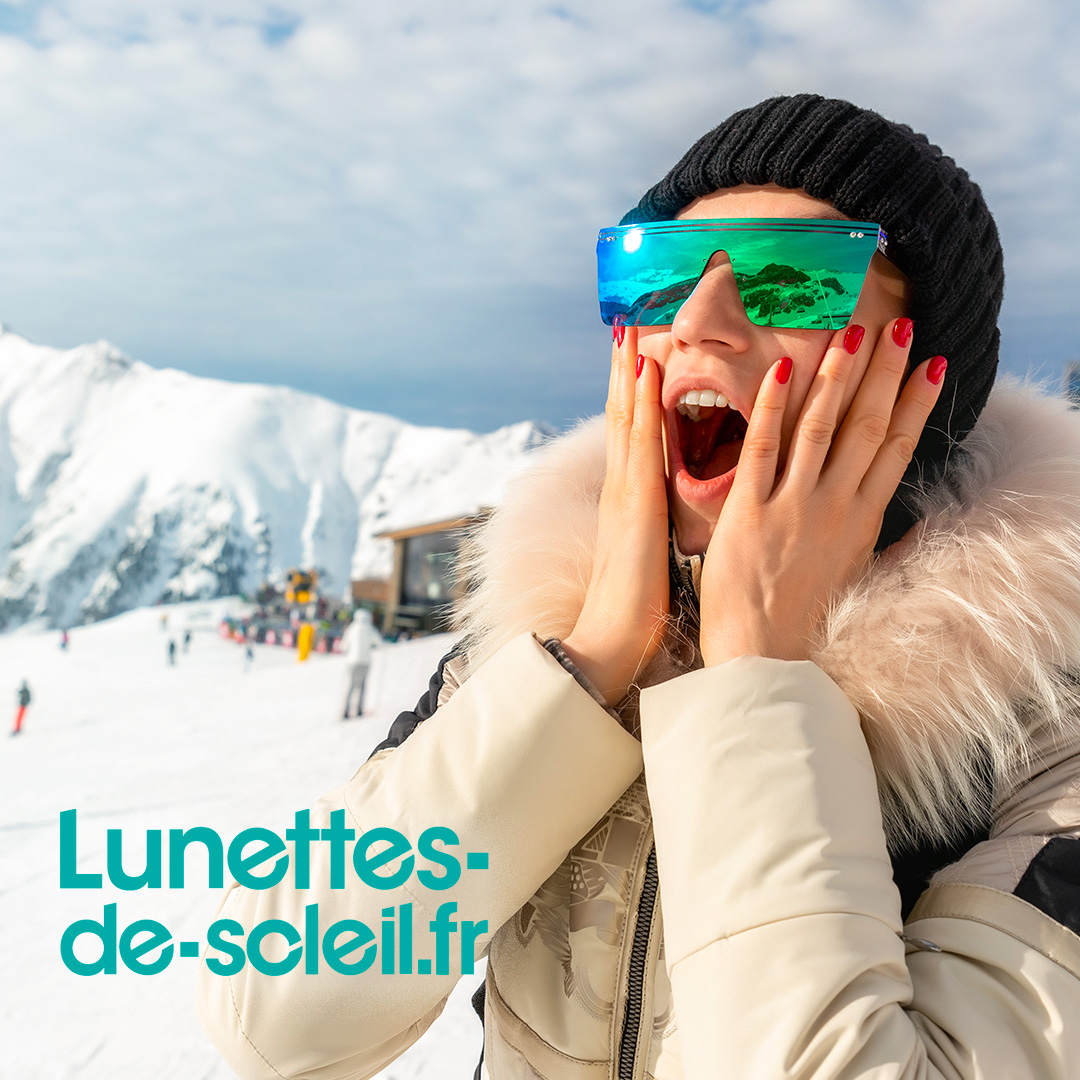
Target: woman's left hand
x=784 y=544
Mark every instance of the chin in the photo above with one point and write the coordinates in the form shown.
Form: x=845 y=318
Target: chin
x=693 y=532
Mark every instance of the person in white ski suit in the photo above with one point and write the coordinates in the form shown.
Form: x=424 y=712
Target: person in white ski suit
x=358 y=642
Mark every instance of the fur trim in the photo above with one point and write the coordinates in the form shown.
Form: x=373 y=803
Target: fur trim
x=958 y=647
x=960 y=653
x=529 y=564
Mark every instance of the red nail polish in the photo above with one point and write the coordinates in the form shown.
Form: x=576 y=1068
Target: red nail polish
x=618 y=334
x=935 y=371
x=853 y=338
x=901 y=331
x=783 y=370
x=640 y=364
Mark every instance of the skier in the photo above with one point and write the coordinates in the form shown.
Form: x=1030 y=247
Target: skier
x=23 y=698
x=357 y=643
x=172 y=651
x=187 y=639
x=64 y=639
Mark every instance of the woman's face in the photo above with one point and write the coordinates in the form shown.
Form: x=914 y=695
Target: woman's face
x=712 y=345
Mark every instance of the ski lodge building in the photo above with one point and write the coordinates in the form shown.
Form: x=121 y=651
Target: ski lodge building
x=421 y=589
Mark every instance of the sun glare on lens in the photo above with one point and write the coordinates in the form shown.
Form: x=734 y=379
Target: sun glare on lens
x=631 y=241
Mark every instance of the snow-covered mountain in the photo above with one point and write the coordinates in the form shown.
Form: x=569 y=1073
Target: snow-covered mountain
x=122 y=485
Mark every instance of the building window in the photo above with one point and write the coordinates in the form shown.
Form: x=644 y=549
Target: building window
x=427 y=580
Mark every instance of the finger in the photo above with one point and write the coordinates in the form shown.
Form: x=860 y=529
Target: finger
x=755 y=475
x=620 y=403
x=866 y=425
x=861 y=348
x=919 y=396
x=617 y=332
x=816 y=426
x=645 y=467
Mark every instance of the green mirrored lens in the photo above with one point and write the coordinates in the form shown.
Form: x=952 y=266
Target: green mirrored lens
x=796 y=273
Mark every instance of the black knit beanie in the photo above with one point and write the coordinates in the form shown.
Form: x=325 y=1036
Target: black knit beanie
x=941 y=235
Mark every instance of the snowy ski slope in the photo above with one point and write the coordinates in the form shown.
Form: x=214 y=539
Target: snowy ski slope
x=134 y=744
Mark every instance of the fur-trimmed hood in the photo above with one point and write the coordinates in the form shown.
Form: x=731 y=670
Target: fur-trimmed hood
x=960 y=647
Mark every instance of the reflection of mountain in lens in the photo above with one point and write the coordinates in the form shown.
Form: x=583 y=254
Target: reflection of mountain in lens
x=783 y=289
x=776 y=288
x=647 y=308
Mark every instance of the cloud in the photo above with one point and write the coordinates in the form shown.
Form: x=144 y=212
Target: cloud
x=332 y=194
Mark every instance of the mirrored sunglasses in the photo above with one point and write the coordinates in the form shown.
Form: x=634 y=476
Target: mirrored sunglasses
x=795 y=273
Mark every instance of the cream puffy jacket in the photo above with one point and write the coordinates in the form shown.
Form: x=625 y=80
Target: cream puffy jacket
x=716 y=900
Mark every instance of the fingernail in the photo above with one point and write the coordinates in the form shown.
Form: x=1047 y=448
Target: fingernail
x=618 y=332
x=853 y=338
x=901 y=331
x=935 y=372
x=640 y=364
x=783 y=370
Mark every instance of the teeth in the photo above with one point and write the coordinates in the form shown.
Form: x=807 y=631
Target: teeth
x=698 y=403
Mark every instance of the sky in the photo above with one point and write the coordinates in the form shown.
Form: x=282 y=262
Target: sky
x=396 y=206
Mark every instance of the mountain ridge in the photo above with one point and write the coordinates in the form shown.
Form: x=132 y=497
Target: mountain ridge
x=123 y=485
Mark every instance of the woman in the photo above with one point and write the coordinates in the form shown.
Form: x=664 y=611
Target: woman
x=744 y=747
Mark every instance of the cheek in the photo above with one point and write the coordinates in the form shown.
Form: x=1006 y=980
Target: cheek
x=655 y=341
x=807 y=350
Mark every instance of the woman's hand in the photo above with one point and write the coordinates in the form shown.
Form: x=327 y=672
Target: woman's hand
x=622 y=621
x=785 y=544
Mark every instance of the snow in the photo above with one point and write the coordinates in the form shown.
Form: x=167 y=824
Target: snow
x=122 y=485
x=135 y=744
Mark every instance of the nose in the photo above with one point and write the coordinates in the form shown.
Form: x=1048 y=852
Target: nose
x=713 y=314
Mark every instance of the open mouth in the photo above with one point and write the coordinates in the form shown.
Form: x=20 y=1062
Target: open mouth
x=710 y=436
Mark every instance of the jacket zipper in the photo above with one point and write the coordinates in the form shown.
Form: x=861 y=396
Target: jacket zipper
x=635 y=990
x=683 y=575
x=684 y=569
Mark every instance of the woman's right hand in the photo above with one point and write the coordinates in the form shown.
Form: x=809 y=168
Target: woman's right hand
x=622 y=621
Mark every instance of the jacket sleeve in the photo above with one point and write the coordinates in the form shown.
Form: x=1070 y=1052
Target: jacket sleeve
x=781 y=920
x=520 y=763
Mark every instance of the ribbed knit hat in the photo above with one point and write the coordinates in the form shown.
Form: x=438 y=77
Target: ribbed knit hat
x=941 y=233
